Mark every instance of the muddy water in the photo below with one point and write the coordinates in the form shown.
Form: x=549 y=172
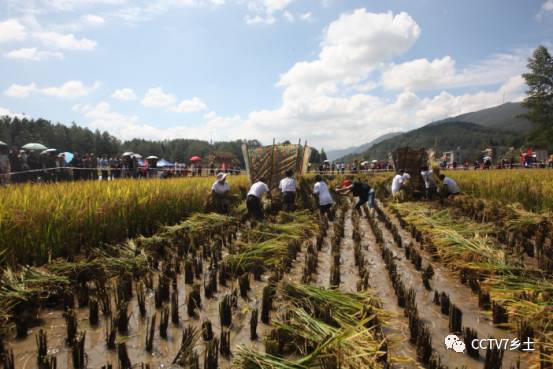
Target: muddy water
x=398 y=329
x=164 y=351
x=446 y=281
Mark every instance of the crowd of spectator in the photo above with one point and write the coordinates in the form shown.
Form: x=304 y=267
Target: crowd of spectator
x=18 y=166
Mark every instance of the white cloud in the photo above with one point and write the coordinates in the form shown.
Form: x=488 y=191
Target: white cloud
x=327 y=100
x=12 y=30
x=306 y=16
x=351 y=48
x=93 y=20
x=126 y=94
x=64 y=41
x=190 y=106
x=422 y=74
x=264 y=11
x=7 y=112
x=545 y=10
x=155 y=98
x=33 y=54
x=288 y=16
x=100 y=116
x=69 y=89
x=16 y=90
x=68 y=5
x=547 y=6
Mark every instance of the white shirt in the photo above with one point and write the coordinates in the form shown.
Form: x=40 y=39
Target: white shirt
x=220 y=188
x=258 y=189
x=287 y=184
x=428 y=179
x=396 y=183
x=321 y=189
x=451 y=185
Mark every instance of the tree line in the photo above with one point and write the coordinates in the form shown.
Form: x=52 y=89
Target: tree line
x=16 y=132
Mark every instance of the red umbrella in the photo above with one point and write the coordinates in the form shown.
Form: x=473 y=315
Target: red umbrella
x=195 y=158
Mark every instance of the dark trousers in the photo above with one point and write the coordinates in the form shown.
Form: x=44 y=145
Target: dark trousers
x=288 y=201
x=253 y=203
x=430 y=193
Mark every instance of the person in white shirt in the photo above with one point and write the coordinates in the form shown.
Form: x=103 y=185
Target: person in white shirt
x=220 y=187
x=253 y=201
x=321 y=190
x=287 y=186
x=397 y=181
x=450 y=186
x=429 y=181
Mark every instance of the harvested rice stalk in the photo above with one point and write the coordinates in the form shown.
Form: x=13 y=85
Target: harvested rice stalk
x=194 y=301
x=207 y=330
x=225 y=311
x=78 y=352
x=164 y=322
x=71 y=326
x=211 y=354
x=111 y=333
x=123 y=356
x=150 y=332
x=189 y=338
x=224 y=343
x=175 y=307
x=254 y=317
x=141 y=298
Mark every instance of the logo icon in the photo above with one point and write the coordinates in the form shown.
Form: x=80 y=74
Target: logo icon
x=453 y=342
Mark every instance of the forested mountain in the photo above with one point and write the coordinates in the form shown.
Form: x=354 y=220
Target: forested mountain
x=500 y=127
x=335 y=154
x=505 y=117
x=468 y=139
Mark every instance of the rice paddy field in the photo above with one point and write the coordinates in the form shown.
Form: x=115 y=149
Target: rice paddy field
x=154 y=280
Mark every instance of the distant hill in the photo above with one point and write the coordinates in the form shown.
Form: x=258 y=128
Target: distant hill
x=505 y=117
x=335 y=154
x=470 y=138
x=500 y=126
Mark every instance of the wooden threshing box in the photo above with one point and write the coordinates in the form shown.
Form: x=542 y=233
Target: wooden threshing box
x=411 y=160
x=272 y=162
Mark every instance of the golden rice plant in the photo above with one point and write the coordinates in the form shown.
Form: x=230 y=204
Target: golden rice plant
x=532 y=188
x=39 y=222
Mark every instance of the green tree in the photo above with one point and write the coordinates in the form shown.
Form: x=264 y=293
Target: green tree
x=323 y=155
x=539 y=99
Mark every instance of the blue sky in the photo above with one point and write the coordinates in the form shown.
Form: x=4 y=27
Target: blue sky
x=337 y=73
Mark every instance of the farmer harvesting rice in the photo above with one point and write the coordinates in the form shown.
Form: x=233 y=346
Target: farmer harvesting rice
x=288 y=186
x=359 y=189
x=397 y=183
x=220 y=192
x=429 y=181
x=220 y=187
x=321 y=190
x=253 y=201
x=450 y=187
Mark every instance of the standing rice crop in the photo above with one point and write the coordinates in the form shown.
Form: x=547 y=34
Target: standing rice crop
x=39 y=222
x=533 y=188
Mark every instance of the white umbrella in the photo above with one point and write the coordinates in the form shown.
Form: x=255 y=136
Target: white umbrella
x=364 y=163
x=137 y=156
x=152 y=157
x=3 y=143
x=34 y=146
x=49 y=151
x=128 y=153
x=374 y=161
